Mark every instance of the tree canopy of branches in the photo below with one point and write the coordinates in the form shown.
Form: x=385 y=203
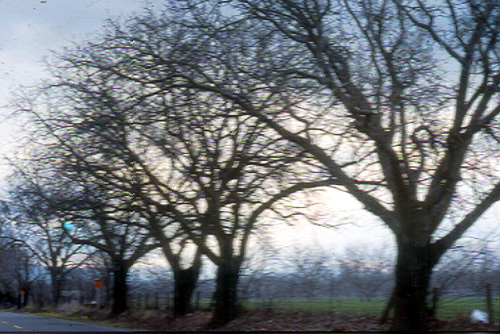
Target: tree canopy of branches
x=398 y=100
x=107 y=223
x=33 y=216
x=192 y=164
x=395 y=102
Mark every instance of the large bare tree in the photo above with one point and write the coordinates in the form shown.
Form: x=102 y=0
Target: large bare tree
x=229 y=172
x=407 y=92
x=95 y=143
x=106 y=221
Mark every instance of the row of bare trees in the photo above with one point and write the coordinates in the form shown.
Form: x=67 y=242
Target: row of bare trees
x=186 y=128
x=267 y=274
x=27 y=279
x=298 y=272
x=126 y=167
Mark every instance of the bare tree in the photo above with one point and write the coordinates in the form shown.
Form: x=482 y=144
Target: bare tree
x=19 y=271
x=309 y=270
x=7 y=293
x=108 y=224
x=409 y=91
x=360 y=86
x=58 y=214
x=99 y=151
x=35 y=222
x=368 y=271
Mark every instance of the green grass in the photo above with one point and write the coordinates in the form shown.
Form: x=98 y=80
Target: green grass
x=462 y=308
x=82 y=318
x=447 y=309
x=353 y=306
x=450 y=309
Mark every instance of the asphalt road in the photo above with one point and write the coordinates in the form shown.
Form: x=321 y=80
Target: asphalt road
x=16 y=322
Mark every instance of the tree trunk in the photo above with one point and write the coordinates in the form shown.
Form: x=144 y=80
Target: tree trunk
x=435 y=300
x=56 y=291
x=120 y=290
x=225 y=294
x=413 y=273
x=387 y=309
x=185 y=283
x=56 y=286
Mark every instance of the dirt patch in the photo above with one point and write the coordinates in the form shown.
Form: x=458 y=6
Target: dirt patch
x=303 y=321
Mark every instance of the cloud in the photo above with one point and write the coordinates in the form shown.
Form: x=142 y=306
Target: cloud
x=31 y=29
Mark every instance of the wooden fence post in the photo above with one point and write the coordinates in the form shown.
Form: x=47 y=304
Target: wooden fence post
x=489 y=305
x=157 y=301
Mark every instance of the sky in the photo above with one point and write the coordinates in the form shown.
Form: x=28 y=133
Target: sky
x=32 y=29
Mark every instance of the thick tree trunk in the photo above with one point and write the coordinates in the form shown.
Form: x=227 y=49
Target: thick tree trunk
x=185 y=283
x=387 y=309
x=56 y=287
x=413 y=273
x=56 y=292
x=120 y=290
x=226 y=294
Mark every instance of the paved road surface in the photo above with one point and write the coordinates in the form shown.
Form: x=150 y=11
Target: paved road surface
x=17 y=322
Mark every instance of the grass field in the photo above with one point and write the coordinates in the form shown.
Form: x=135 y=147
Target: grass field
x=451 y=309
x=353 y=306
x=447 y=309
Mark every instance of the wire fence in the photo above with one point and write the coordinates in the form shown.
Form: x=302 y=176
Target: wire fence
x=449 y=307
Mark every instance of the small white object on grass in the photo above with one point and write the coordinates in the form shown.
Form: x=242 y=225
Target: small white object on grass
x=479 y=316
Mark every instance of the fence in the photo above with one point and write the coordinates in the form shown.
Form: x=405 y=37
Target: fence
x=446 y=308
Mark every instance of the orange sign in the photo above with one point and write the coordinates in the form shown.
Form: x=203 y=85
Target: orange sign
x=98 y=283
x=22 y=292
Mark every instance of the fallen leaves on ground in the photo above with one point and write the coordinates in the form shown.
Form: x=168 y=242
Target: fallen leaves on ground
x=289 y=321
x=265 y=321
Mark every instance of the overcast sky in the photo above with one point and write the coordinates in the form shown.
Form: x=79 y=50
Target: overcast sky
x=32 y=29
